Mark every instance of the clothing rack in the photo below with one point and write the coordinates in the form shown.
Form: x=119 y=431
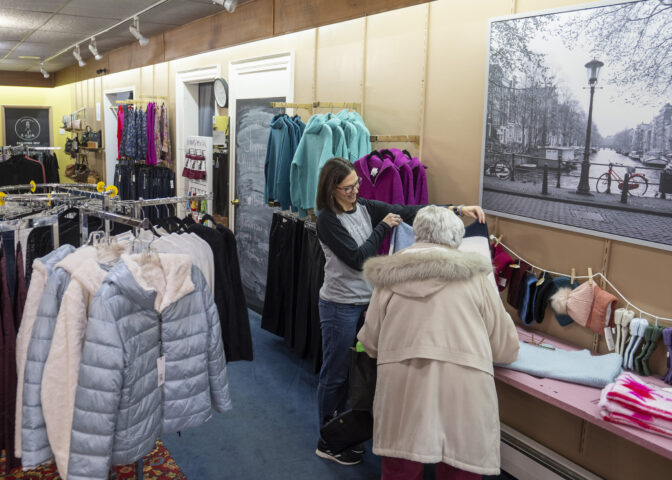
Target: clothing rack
x=395 y=138
x=33 y=222
x=315 y=105
x=590 y=276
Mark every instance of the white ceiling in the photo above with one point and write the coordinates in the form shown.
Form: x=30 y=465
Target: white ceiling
x=42 y=28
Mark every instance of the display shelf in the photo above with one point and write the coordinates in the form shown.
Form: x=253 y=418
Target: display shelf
x=580 y=400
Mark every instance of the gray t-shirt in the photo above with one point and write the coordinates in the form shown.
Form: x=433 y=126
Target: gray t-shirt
x=343 y=284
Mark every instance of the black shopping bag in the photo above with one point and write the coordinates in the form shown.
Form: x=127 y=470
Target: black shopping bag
x=362 y=380
x=348 y=429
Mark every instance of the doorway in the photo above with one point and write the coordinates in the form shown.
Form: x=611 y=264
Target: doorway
x=110 y=98
x=253 y=85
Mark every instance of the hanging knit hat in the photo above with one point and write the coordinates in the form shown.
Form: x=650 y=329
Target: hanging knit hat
x=576 y=303
x=602 y=313
x=501 y=261
x=560 y=283
x=515 y=284
x=541 y=297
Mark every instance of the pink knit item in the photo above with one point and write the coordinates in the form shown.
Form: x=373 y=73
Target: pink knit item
x=580 y=303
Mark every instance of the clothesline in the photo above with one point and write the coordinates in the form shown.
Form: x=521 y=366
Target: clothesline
x=587 y=277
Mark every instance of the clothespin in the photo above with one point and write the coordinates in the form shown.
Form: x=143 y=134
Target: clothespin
x=515 y=265
x=573 y=277
x=498 y=240
x=542 y=278
x=590 y=276
x=539 y=343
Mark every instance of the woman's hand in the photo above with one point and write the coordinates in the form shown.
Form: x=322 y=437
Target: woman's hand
x=474 y=211
x=392 y=220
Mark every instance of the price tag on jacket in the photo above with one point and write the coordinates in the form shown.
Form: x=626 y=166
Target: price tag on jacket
x=161 y=369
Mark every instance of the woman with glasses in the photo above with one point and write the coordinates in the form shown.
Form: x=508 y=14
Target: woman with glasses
x=350 y=230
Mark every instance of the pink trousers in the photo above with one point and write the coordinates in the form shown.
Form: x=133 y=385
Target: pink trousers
x=402 y=469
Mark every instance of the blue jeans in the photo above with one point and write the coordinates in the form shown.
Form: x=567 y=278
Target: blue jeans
x=338 y=322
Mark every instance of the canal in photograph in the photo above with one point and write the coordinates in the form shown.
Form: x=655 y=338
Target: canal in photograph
x=599 y=164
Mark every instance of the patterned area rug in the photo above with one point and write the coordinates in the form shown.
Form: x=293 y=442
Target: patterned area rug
x=157 y=465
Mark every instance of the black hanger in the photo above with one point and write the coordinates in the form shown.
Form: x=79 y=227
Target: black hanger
x=407 y=153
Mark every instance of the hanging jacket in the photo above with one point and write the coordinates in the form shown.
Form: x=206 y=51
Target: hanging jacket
x=383 y=184
x=34 y=441
x=314 y=149
x=363 y=134
x=403 y=164
x=59 y=381
x=278 y=160
x=351 y=136
x=42 y=269
x=7 y=367
x=145 y=308
x=419 y=182
x=338 y=145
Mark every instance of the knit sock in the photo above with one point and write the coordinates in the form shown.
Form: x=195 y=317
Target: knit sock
x=667 y=339
x=640 y=328
x=634 y=328
x=645 y=346
x=618 y=315
x=655 y=336
x=628 y=315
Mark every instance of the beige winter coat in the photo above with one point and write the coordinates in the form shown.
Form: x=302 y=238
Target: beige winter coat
x=436 y=324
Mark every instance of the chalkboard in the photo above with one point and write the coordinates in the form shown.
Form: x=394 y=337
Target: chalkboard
x=253 y=217
x=27 y=125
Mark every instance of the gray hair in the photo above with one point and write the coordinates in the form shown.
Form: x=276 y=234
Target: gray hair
x=438 y=225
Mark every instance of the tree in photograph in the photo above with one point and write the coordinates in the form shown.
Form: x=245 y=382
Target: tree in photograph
x=636 y=38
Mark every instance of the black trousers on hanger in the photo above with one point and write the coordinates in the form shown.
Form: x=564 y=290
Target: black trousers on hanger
x=279 y=300
x=220 y=182
x=308 y=336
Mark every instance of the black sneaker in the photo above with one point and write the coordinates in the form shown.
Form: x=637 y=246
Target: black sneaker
x=358 y=449
x=347 y=457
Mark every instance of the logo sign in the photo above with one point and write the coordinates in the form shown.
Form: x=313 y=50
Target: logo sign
x=27 y=128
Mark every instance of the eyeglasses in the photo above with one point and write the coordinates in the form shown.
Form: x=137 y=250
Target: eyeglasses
x=350 y=188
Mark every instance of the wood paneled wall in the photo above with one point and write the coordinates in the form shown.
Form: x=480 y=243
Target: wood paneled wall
x=251 y=21
x=26 y=79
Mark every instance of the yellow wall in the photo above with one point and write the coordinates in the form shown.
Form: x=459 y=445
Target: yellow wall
x=57 y=98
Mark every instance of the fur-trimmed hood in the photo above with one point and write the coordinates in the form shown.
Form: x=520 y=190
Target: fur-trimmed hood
x=424 y=268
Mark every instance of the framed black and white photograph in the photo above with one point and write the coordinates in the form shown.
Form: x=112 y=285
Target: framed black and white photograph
x=578 y=120
x=27 y=126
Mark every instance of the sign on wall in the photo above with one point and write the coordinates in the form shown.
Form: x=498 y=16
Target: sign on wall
x=27 y=125
x=578 y=120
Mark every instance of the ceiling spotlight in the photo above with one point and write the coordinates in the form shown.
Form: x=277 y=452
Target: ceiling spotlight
x=94 y=49
x=78 y=56
x=229 y=5
x=44 y=73
x=134 y=28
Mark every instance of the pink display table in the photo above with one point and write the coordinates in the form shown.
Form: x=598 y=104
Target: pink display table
x=580 y=400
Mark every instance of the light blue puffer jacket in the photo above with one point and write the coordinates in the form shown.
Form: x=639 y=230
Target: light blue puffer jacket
x=34 y=442
x=120 y=410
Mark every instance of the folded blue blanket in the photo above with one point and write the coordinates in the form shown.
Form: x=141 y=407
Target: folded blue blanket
x=577 y=366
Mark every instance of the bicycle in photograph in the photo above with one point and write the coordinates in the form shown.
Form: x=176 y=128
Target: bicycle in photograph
x=499 y=168
x=638 y=184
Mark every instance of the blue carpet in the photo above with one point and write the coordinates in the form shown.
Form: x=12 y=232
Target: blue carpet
x=271 y=432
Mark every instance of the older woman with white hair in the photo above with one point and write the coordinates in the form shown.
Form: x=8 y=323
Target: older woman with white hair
x=436 y=324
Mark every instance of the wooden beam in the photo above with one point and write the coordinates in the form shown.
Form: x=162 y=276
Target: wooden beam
x=295 y=15
x=378 y=6
x=134 y=56
x=26 y=79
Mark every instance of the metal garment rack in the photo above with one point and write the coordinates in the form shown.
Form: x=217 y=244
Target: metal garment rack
x=24 y=223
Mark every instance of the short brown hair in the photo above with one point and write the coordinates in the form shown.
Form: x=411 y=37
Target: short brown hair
x=333 y=172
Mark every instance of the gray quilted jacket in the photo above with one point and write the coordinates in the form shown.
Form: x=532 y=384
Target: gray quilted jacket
x=42 y=268
x=34 y=440
x=120 y=409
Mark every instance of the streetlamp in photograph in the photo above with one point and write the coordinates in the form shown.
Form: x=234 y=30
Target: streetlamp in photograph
x=593 y=70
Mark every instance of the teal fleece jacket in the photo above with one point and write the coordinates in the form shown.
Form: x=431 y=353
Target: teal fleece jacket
x=315 y=148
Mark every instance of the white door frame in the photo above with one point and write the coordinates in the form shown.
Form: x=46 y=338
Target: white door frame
x=110 y=126
x=237 y=71
x=185 y=107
